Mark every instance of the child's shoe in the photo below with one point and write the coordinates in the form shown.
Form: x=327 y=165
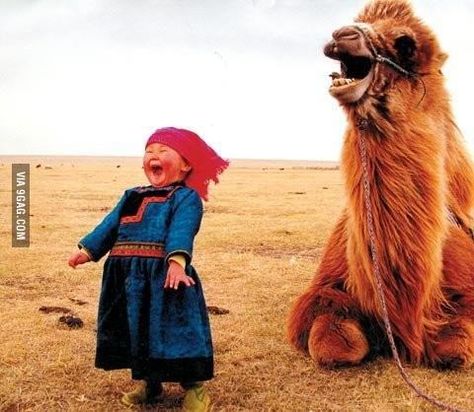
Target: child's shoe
x=196 y=399
x=143 y=394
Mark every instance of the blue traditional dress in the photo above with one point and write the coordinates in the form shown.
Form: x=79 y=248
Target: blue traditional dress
x=154 y=331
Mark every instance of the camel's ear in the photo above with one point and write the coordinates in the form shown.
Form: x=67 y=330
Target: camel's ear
x=405 y=46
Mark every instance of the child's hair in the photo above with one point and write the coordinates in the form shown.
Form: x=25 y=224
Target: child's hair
x=205 y=163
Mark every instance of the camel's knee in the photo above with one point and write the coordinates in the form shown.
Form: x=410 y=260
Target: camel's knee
x=336 y=341
x=454 y=347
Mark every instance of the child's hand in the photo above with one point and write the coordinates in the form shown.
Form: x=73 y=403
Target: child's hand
x=176 y=275
x=78 y=258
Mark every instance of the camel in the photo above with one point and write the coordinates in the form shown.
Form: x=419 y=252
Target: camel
x=392 y=89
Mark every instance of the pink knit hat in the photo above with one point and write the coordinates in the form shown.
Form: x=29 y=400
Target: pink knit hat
x=206 y=164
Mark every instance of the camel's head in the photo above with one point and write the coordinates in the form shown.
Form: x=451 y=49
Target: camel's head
x=386 y=45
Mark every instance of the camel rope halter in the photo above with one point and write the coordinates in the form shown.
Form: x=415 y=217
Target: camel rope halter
x=363 y=124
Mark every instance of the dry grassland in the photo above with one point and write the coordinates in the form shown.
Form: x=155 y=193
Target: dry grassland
x=259 y=244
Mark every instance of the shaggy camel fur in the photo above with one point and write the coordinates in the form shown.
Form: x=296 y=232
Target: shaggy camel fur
x=422 y=196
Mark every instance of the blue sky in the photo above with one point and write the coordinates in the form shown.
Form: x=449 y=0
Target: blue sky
x=96 y=77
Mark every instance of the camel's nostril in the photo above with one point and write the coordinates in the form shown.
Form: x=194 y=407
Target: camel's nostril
x=330 y=49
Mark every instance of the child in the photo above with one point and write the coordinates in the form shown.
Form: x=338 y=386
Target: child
x=152 y=314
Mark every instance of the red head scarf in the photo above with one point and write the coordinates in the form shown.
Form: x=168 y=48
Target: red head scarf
x=206 y=164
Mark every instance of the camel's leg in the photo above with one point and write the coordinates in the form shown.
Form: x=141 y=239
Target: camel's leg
x=324 y=320
x=337 y=341
x=453 y=346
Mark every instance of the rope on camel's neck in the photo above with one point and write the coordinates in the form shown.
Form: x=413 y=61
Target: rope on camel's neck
x=362 y=125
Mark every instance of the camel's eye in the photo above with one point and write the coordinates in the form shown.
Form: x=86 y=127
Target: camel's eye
x=405 y=47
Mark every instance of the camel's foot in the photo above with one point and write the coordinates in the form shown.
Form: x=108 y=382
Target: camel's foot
x=335 y=341
x=454 y=348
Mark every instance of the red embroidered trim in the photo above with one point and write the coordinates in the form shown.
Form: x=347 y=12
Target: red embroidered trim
x=138 y=249
x=141 y=210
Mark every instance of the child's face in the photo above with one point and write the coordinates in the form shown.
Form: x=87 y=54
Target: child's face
x=163 y=165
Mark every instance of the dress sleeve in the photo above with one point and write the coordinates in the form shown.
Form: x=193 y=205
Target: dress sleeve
x=179 y=259
x=98 y=242
x=184 y=225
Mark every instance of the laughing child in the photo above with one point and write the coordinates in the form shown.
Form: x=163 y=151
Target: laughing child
x=152 y=315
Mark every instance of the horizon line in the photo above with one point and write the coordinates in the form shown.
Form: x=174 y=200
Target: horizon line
x=139 y=157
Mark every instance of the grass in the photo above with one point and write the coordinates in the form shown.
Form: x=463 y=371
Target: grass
x=258 y=248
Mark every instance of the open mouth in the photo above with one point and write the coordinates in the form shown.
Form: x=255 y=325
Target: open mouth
x=354 y=80
x=155 y=168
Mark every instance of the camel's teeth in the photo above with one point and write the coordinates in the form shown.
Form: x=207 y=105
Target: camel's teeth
x=339 y=82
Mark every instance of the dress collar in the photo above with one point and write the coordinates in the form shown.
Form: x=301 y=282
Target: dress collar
x=166 y=189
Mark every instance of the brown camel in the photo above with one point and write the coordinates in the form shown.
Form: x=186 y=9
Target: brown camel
x=421 y=194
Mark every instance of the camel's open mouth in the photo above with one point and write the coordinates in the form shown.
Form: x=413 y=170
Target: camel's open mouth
x=355 y=77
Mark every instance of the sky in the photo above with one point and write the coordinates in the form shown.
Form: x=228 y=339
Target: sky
x=97 y=77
